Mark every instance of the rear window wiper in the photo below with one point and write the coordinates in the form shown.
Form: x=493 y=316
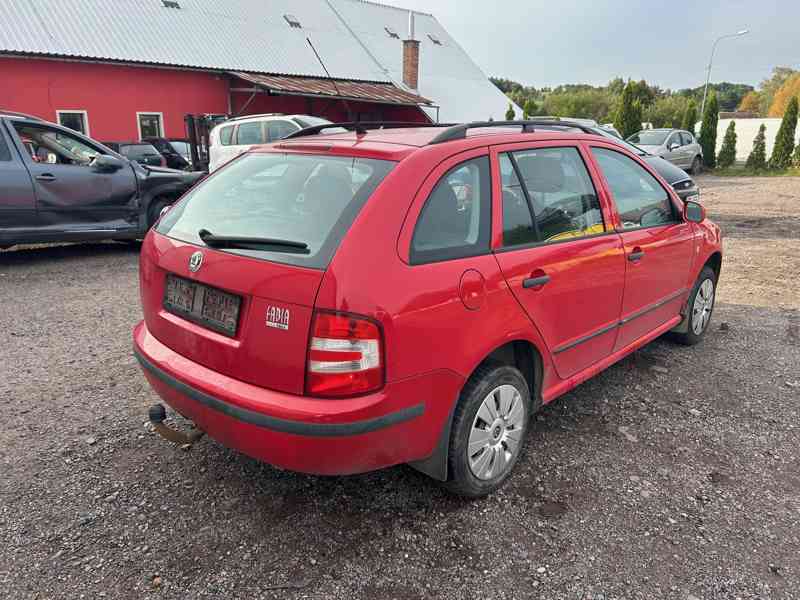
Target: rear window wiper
x=237 y=241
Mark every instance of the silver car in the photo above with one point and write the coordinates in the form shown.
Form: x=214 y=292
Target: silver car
x=675 y=145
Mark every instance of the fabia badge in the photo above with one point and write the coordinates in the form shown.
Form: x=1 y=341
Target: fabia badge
x=278 y=317
x=195 y=261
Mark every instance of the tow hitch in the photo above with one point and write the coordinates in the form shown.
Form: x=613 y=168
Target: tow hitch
x=157 y=414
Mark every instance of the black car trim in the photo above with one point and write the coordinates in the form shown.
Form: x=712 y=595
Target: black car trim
x=586 y=338
x=282 y=425
x=652 y=307
x=628 y=319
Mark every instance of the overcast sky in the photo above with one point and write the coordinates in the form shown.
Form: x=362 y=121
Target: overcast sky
x=545 y=43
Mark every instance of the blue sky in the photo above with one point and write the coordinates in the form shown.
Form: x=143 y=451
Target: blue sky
x=583 y=41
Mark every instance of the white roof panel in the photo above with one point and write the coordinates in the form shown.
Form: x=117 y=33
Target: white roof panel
x=447 y=75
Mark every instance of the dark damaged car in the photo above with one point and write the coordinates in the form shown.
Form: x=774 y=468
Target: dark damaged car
x=57 y=185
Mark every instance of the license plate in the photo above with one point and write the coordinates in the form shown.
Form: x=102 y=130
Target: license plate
x=207 y=306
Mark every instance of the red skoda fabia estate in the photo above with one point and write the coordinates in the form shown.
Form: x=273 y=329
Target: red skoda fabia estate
x=338 y=303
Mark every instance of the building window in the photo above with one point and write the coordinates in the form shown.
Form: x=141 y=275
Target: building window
x=77 y=120
x=150 y=124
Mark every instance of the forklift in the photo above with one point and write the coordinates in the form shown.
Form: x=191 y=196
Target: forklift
x=198 y=129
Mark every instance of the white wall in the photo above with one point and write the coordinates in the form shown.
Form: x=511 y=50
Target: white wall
x=746 y=131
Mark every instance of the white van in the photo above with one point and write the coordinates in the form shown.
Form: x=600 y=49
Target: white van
x=231 y=138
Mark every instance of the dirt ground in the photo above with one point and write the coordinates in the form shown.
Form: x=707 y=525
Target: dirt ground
x=673 y=475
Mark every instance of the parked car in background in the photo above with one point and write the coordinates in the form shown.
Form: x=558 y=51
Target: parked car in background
x=175 y=150
x=675 y=145
x=349 y=302
x=58 y=185
x=142 y=152
x=238 y=135
x=679 y=179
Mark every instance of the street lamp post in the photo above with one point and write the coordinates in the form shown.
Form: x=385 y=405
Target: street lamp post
x=711 y=61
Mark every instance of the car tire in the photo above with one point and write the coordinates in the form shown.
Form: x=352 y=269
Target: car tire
x=154 y=211
x=482 y=454
x=697 y=166
x=699 y=308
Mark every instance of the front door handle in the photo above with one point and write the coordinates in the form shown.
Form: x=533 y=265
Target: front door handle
x=533 y=282
x=46 y=177
x=636 y=255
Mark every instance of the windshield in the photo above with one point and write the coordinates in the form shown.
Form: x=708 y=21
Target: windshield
x=180 y=147
x=307 y=199
x=649 y=138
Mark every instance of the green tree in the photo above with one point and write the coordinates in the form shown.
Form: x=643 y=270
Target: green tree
x=628 y=117
x=530 y=108
x=666 y=111
x=784 y=142
x=689 y=120
x=769 y=87
x=510 y=114
x=758 y=157
x=727 y=154
x=796 y=157
x=708 y=131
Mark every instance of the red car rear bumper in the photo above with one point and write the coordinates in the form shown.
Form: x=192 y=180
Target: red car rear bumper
x=400 y=423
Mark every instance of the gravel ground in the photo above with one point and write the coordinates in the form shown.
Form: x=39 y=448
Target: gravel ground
x=674 y=474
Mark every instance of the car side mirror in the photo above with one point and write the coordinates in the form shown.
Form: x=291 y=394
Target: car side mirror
x=673 y=147
x=693 y=212
x=107 y=163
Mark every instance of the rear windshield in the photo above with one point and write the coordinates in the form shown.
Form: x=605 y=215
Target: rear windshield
x=139 y=150
x=180 y=147
x=649 y=138
x=299 y=198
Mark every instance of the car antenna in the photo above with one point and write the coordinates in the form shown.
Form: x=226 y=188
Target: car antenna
x=358 y=127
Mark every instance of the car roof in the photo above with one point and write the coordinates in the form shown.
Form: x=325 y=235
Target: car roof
x=395 y=144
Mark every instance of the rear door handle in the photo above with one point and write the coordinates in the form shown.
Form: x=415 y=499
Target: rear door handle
x=533 y=282
x=636 y=255
x=46 y=177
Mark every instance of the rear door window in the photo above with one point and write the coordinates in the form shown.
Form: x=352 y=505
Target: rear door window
x=686 y=138
x=640 y=199
x=456 y=219
x=559 y=192
x=249 y=134
x=5 y=154
x=309 y=199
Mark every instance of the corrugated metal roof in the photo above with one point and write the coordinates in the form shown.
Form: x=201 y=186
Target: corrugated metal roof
x=385 y=93
x=252 y=36
x=246 y=35
x=446 y=73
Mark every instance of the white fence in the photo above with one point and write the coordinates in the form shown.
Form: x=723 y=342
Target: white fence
x=746 y=131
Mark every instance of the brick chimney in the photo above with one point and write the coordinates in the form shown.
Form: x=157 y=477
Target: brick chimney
x=411 y=56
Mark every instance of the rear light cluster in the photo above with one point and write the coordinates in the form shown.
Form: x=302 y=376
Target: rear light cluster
x=345 y=356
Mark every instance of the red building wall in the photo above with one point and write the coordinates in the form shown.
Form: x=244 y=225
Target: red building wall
x=111 y=94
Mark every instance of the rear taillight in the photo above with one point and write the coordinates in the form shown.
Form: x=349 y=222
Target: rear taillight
x=345 y=356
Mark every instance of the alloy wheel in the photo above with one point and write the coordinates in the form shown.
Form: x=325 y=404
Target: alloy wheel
x=702 y=306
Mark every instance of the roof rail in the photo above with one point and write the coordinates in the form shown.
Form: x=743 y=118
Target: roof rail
x=11 y=113
x=240 y=117
x=361 y=127
x=459 y=132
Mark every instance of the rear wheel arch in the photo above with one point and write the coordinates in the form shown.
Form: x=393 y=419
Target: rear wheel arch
x=521 y=354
